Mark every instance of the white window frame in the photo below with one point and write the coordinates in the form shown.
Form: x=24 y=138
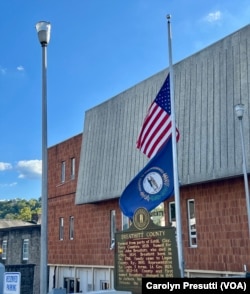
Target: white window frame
x=71 y=227
x=63 y=171
x=4 y=249
x=158 y=215
x=125 y=222
x=192 y=223
x=112 y=228
x=72 y=168
x=25 y=249
x=61 y=228
x=171 y=210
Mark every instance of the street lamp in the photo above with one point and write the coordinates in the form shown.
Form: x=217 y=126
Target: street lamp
x=239 y=111
x=43 y=30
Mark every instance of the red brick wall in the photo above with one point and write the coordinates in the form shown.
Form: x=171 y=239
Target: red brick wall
x=91 y=242
x=63 y=151
x=221 y=220
x=91 y=234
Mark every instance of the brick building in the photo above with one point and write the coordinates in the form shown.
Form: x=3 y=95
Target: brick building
x=80 y=258
x=88 y=173
x=20 y=243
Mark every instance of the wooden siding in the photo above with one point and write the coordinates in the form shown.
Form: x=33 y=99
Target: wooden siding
x=207 y=86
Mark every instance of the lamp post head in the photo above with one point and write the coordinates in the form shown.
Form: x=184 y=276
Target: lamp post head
x=239 y=110
x=43 y=30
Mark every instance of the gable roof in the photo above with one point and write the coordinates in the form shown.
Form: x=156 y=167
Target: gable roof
x=4 y=224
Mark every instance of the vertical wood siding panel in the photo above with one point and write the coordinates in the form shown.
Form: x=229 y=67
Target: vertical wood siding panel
x=207 y=86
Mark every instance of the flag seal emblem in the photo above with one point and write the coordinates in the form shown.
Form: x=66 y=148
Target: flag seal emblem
x=141 y=218
x=153 y=184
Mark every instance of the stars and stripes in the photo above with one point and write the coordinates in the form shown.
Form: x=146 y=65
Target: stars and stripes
x=157 y=126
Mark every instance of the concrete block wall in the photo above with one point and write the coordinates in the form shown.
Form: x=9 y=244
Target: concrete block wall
x=28 y=285
x=15 y=237
x=30 y=269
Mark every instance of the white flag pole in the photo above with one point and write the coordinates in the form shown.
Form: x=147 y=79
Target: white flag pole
x=175 y=165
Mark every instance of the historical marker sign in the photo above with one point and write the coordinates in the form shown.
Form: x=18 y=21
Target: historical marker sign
x=144 y=250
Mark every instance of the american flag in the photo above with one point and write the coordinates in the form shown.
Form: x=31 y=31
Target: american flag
x=157 y=127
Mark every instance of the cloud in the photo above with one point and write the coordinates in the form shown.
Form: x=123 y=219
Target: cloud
x=29 y=168
x=8 y=185
x=213 y=17
x=2 y=70
x=20 y=68
x=5 y=166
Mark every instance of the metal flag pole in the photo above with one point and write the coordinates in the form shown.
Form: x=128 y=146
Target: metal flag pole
x=239 y=111
x=175 y=165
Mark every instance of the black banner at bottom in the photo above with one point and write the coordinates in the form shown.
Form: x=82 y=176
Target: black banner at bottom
x=185 y=285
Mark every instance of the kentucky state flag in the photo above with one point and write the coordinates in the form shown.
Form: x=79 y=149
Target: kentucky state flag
x=153 y=184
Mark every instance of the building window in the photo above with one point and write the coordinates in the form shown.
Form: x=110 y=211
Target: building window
x=63 y=165
x=61 y=228
x=104 y=285
x=171 y=213
x=72 y=168
x=71 y=286
x=112 y=229
x=192 y=223
x=4 y=249
x=25 y=249
x=71 y=228
x=157 y=215
x=125 y=222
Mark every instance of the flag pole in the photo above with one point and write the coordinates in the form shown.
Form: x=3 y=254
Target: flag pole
x=175 y=165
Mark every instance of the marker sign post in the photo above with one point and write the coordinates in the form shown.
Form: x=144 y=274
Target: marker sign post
x=12 y=283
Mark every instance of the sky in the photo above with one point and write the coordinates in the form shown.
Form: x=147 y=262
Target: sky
x=98 y=49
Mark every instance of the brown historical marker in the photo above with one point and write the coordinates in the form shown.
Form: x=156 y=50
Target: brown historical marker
x=145 y=250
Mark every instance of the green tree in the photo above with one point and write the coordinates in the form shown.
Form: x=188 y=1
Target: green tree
x=25 y=214
x=19 y=208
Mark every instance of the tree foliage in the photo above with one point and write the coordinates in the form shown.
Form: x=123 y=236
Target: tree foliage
x=19 y=209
